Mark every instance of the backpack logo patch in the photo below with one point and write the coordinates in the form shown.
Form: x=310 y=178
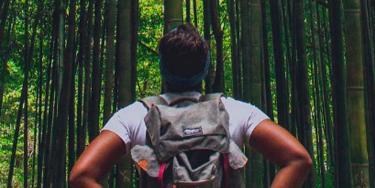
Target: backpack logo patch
x=193 y=131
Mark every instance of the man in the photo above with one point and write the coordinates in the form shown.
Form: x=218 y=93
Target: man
x=184 y=59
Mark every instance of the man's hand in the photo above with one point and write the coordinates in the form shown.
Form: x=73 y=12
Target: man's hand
x=280 y=147
x=97 y=159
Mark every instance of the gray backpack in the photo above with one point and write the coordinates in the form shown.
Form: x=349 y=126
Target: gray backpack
x=188 y=144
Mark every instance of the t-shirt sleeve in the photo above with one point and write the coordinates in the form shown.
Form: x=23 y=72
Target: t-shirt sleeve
x=124 y=121
x=244 y=115
x=256 y=116
x=115 y=125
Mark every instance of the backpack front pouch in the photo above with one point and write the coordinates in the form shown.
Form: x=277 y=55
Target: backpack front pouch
x=189 y=172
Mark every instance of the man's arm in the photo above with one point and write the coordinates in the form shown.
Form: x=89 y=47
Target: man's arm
x=97 y=159
x=280 y=147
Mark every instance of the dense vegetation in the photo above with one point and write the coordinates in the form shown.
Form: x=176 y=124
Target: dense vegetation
x=66 y=66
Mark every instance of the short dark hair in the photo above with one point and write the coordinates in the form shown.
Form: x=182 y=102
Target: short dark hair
x=183 y=51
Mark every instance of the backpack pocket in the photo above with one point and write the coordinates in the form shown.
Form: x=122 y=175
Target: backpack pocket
x=197 y=168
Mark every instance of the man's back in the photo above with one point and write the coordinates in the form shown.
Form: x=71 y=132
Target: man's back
x=128 y=123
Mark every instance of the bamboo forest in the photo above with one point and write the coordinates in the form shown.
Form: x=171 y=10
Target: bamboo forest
x=67 y=66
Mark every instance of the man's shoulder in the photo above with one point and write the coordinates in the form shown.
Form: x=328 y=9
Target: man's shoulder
x=135 y=110
x=229 y=101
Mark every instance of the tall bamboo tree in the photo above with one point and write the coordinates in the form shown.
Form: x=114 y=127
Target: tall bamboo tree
x=94 y=103
x=218 y=85
x=28 y=59
x=343 y=172
x=355 y=92
x=187 y=11
x=234 y=48
x=172 y=14
x=207 y=38
x=253 y=77
x=267 y=105
x=60 y=128
x=280 y=67
x=70 y=58
x=369 y=81
x=3 y=61
x=82 y=53
x=111 y=11
x=125 y=77
x=301 y=84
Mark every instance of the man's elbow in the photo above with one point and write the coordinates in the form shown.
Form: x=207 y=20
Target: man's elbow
x=304 y=162
x=75 y=178
x=79 y=178
x=307 y=162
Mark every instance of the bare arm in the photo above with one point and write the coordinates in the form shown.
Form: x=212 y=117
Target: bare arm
x=280 y=147
x=97 y=159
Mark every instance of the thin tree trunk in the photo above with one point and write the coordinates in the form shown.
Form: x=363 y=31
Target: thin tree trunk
x=207 y=38
x=124 y=68
x=343 y=174
x=70 y=50
x=48 y=110
x=255 y=170
x=245 y=47
x=28 y=59
x=172 y=14
x=48 y=119
x=16 y=133
x=81 y=135
x=301 y=82
x=317 y=97
x=87 y=69
x=280 y=70
x=61 y=126
x=188 y=16
x=317 y=94
x=3 y=16
x=3 y=61
x=218 y=85
x=195 y=13
x=72 y=127
x=266 y=95
x=234 y=49
x=94 y=104
x=325 y=93
x=239 y=38
x=39 y=107
x=134 y=46
x=111 y=12
x=251 y=61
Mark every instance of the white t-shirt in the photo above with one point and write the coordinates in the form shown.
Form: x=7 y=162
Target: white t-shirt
x=128 y=123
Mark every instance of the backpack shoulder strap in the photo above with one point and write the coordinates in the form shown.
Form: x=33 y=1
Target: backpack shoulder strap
x=211 y=96
x=148 y=102
x=175 y=98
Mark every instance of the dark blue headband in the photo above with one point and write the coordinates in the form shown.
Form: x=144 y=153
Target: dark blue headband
x=183 y=81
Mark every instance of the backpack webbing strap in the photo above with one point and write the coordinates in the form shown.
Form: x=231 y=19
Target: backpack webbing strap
x=153 y=100
x=160 y=178
x=147 y=181
x=211 y=96
x=226 y=170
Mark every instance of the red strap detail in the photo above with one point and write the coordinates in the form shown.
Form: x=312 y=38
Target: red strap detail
x=162 y=169
x=226 y=170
